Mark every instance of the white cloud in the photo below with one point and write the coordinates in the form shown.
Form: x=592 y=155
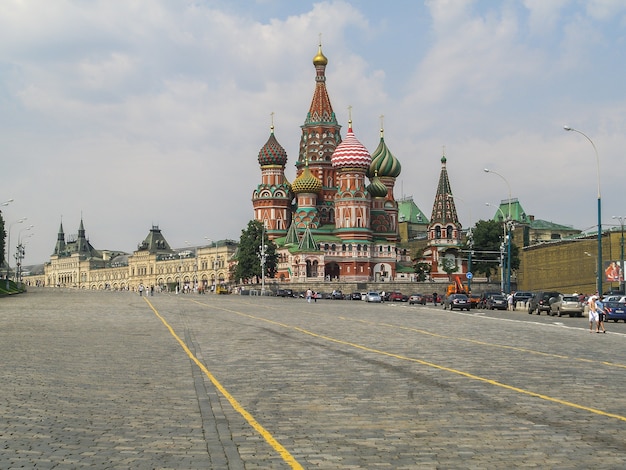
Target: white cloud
x=144 y=112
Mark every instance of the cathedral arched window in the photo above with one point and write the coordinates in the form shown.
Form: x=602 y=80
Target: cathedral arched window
x=450 y=231
x=437 y=231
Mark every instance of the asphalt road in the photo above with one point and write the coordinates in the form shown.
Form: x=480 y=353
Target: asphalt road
x=114 y=380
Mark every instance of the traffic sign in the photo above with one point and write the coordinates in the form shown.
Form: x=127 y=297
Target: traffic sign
x=469 y=275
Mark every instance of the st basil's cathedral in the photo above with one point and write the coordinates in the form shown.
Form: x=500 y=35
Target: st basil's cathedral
x=338 y=220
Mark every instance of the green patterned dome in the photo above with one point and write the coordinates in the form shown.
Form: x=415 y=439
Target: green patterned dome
x=306 y=183
x=384 y=162
x=377 y=188
x=272 y=152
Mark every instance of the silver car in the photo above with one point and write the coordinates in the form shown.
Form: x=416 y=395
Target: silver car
x=373 y=297
x=567 y=304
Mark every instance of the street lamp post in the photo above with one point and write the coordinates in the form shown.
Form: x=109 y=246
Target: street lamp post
x=504 y=235
x=180 y=276
x=263 y=255
x=215 y=264
x=599 y=268
x=20 y=252
x=8 y=250
x=621 y=266
x=509 y=225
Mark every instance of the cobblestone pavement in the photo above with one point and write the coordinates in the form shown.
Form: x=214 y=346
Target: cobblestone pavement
x=115 y=380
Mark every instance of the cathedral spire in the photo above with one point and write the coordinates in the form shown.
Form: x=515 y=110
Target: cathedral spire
x=444 y=210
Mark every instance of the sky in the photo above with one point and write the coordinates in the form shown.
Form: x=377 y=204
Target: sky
x=136 y=113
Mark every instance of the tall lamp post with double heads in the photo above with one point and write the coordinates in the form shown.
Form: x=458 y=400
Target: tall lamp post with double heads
x=2 y=204
x=621 y=265
x=20 y=221
x=504 y=233
x=263 y=256
x=599 y=268
x=509 y=227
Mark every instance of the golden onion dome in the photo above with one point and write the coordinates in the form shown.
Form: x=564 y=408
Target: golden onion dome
x=320 y=58
x=306 y=183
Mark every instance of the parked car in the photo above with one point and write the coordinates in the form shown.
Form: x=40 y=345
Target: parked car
x=336 y=295
x=416 y=299
x=355 y=296
x=373 y=297
x=615 y=310
x=484 y=297
x=427 y=298
x=567 y=304
x=496 y=301
x=540 y=301
x=398 y=297
x=284 y=293
x=522 y=296
x=459 y=301
x=474 y=300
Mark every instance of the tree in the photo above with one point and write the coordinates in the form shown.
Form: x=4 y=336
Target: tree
x=2 y=240
x=249 y=253
x=449 y=266
x=488 y=237
x=421 y=268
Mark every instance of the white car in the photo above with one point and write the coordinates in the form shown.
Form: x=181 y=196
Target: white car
x=373 y=297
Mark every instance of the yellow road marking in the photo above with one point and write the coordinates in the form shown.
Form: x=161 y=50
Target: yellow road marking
x=284 y=453
x=426 y=363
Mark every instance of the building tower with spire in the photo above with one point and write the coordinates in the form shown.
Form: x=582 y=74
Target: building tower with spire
x=385 y=168
x=319 y=139
x=272 y=198
x=444 y=231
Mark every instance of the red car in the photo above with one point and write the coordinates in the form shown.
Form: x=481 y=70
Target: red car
x=398 y=297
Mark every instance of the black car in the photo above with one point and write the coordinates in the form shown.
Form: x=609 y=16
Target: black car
x=484 y=297
x=284 y=293
x=522 y=296
x=497 y=301
x=355 y=296
x=540 y=301
x=336 y=295
x=460 y=301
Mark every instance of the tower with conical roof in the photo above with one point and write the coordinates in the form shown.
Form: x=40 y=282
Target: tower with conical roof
x=306 y=187
x=320 y=136
x=271 y=199
x=444 y=230
x=351 y=160
x=59 y=248
x=386 y=167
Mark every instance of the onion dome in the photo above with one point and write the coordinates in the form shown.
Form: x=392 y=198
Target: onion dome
x=377 y=188
x=320 y=59
x=351 y=153
x=272 y=153
x=383 y=161
x=306 y=182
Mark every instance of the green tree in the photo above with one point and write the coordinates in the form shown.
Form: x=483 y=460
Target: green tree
x=421 y=268
x=488 y=236
x=249 y=254
x=449 y=266
x=2 y=240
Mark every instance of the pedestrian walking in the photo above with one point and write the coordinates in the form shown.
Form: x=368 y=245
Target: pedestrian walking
x=593 y=314
x=601 y=316
x=308 y=295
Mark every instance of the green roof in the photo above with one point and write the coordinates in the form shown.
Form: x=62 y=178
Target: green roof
x=409 y=212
